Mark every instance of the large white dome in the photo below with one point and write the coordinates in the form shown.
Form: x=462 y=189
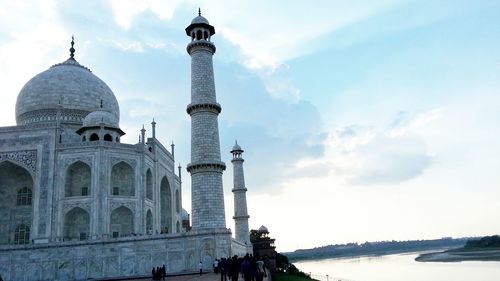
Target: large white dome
x=67 y=89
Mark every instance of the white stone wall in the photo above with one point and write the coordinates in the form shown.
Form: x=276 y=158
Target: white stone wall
x=133 y=256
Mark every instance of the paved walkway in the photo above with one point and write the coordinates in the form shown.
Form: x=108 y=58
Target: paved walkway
x=203 y=277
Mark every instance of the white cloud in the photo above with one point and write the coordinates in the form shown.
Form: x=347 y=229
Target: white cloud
x=403 y=125
x=126 y=10
x=367 y=155
x=29 y=47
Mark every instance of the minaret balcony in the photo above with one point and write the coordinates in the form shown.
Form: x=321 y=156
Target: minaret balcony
x=200 y=44
x=210 y=107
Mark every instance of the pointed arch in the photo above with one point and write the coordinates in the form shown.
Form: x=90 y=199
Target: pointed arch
x=177 y=202
x=149 y=184
x=94 y=137
x=122 y=222
x=165 y=205
x=76 y=224
x=122 y=180
x=16 y=186
x=108 y=137
x=78 y=179
x=149 y=222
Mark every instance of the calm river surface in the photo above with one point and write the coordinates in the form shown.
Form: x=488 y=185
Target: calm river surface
x=399 y=267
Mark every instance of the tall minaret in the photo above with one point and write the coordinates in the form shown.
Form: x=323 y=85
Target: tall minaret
x=241 y=216
x=206 y=167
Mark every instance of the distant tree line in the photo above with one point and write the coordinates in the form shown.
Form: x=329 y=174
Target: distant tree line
x=485 y=242
x=375 y=248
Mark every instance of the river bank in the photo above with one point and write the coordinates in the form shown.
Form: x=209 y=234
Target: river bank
x=458 y=255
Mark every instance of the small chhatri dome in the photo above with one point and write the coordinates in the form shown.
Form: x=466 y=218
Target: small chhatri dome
x=263 y=229
x=96 y=118
x=200 y=22
x=236 y=148
x=184 y=215
x=199 y=18
x=66 y=89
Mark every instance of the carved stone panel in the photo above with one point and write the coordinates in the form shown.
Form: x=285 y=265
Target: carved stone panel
x=95 y=267
x=128 y=263
x=26 y=158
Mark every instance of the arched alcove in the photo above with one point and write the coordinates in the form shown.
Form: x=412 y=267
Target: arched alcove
x=94 y=137
x=108 y=137
x=122 y=180
x=177 y=202
x=149 y=222
x=16 y=186
x=78 y=179
x=122 y=222
x=76 y=225
x=177 y=227
x=149 y=184
x=165 y=205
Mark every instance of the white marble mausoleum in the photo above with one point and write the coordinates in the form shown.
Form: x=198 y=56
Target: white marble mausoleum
x=77 y=203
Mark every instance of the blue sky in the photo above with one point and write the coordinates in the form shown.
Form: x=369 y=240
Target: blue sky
x=360 y=120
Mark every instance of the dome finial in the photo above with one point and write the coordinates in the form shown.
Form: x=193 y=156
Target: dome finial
x=199 y=11
x=72 y=50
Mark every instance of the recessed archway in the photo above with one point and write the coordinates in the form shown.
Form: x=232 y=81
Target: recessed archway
x=122 y=180
x=76 y=225
x=149 y=184
x=149 y=222
x=16 y=203
x=165 y=206
x=78 y=179
x=122 y=222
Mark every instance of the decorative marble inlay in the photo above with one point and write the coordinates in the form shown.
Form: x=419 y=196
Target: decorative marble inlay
x=25 y=157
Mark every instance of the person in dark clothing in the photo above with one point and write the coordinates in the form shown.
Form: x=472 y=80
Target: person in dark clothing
x=234 y=268
x=153 y=272
x=246 y=269
x=163 y=272
x=223 y=269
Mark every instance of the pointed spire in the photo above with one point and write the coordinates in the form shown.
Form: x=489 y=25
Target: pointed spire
x=72 y=50
x=153 y=127
x=143 y=134
x=199 y=11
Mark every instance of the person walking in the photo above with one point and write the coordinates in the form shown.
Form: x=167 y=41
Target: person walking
x=216 y=266
x=163 y=272
x=200 y=265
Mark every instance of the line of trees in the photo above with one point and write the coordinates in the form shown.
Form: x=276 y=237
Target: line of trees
x=485 y=242
x=375 y=248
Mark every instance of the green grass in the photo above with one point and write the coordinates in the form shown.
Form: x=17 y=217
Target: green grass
x=287 y=277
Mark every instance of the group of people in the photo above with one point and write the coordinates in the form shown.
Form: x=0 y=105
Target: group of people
x=159 y=273
x=251 y=268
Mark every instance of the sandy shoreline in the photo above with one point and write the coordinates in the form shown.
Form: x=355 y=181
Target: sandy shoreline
x=460 y=255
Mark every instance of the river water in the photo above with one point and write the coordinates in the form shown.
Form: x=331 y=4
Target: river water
x=399 y=267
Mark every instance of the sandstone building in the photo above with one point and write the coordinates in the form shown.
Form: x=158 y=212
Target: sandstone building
x=77 y=203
